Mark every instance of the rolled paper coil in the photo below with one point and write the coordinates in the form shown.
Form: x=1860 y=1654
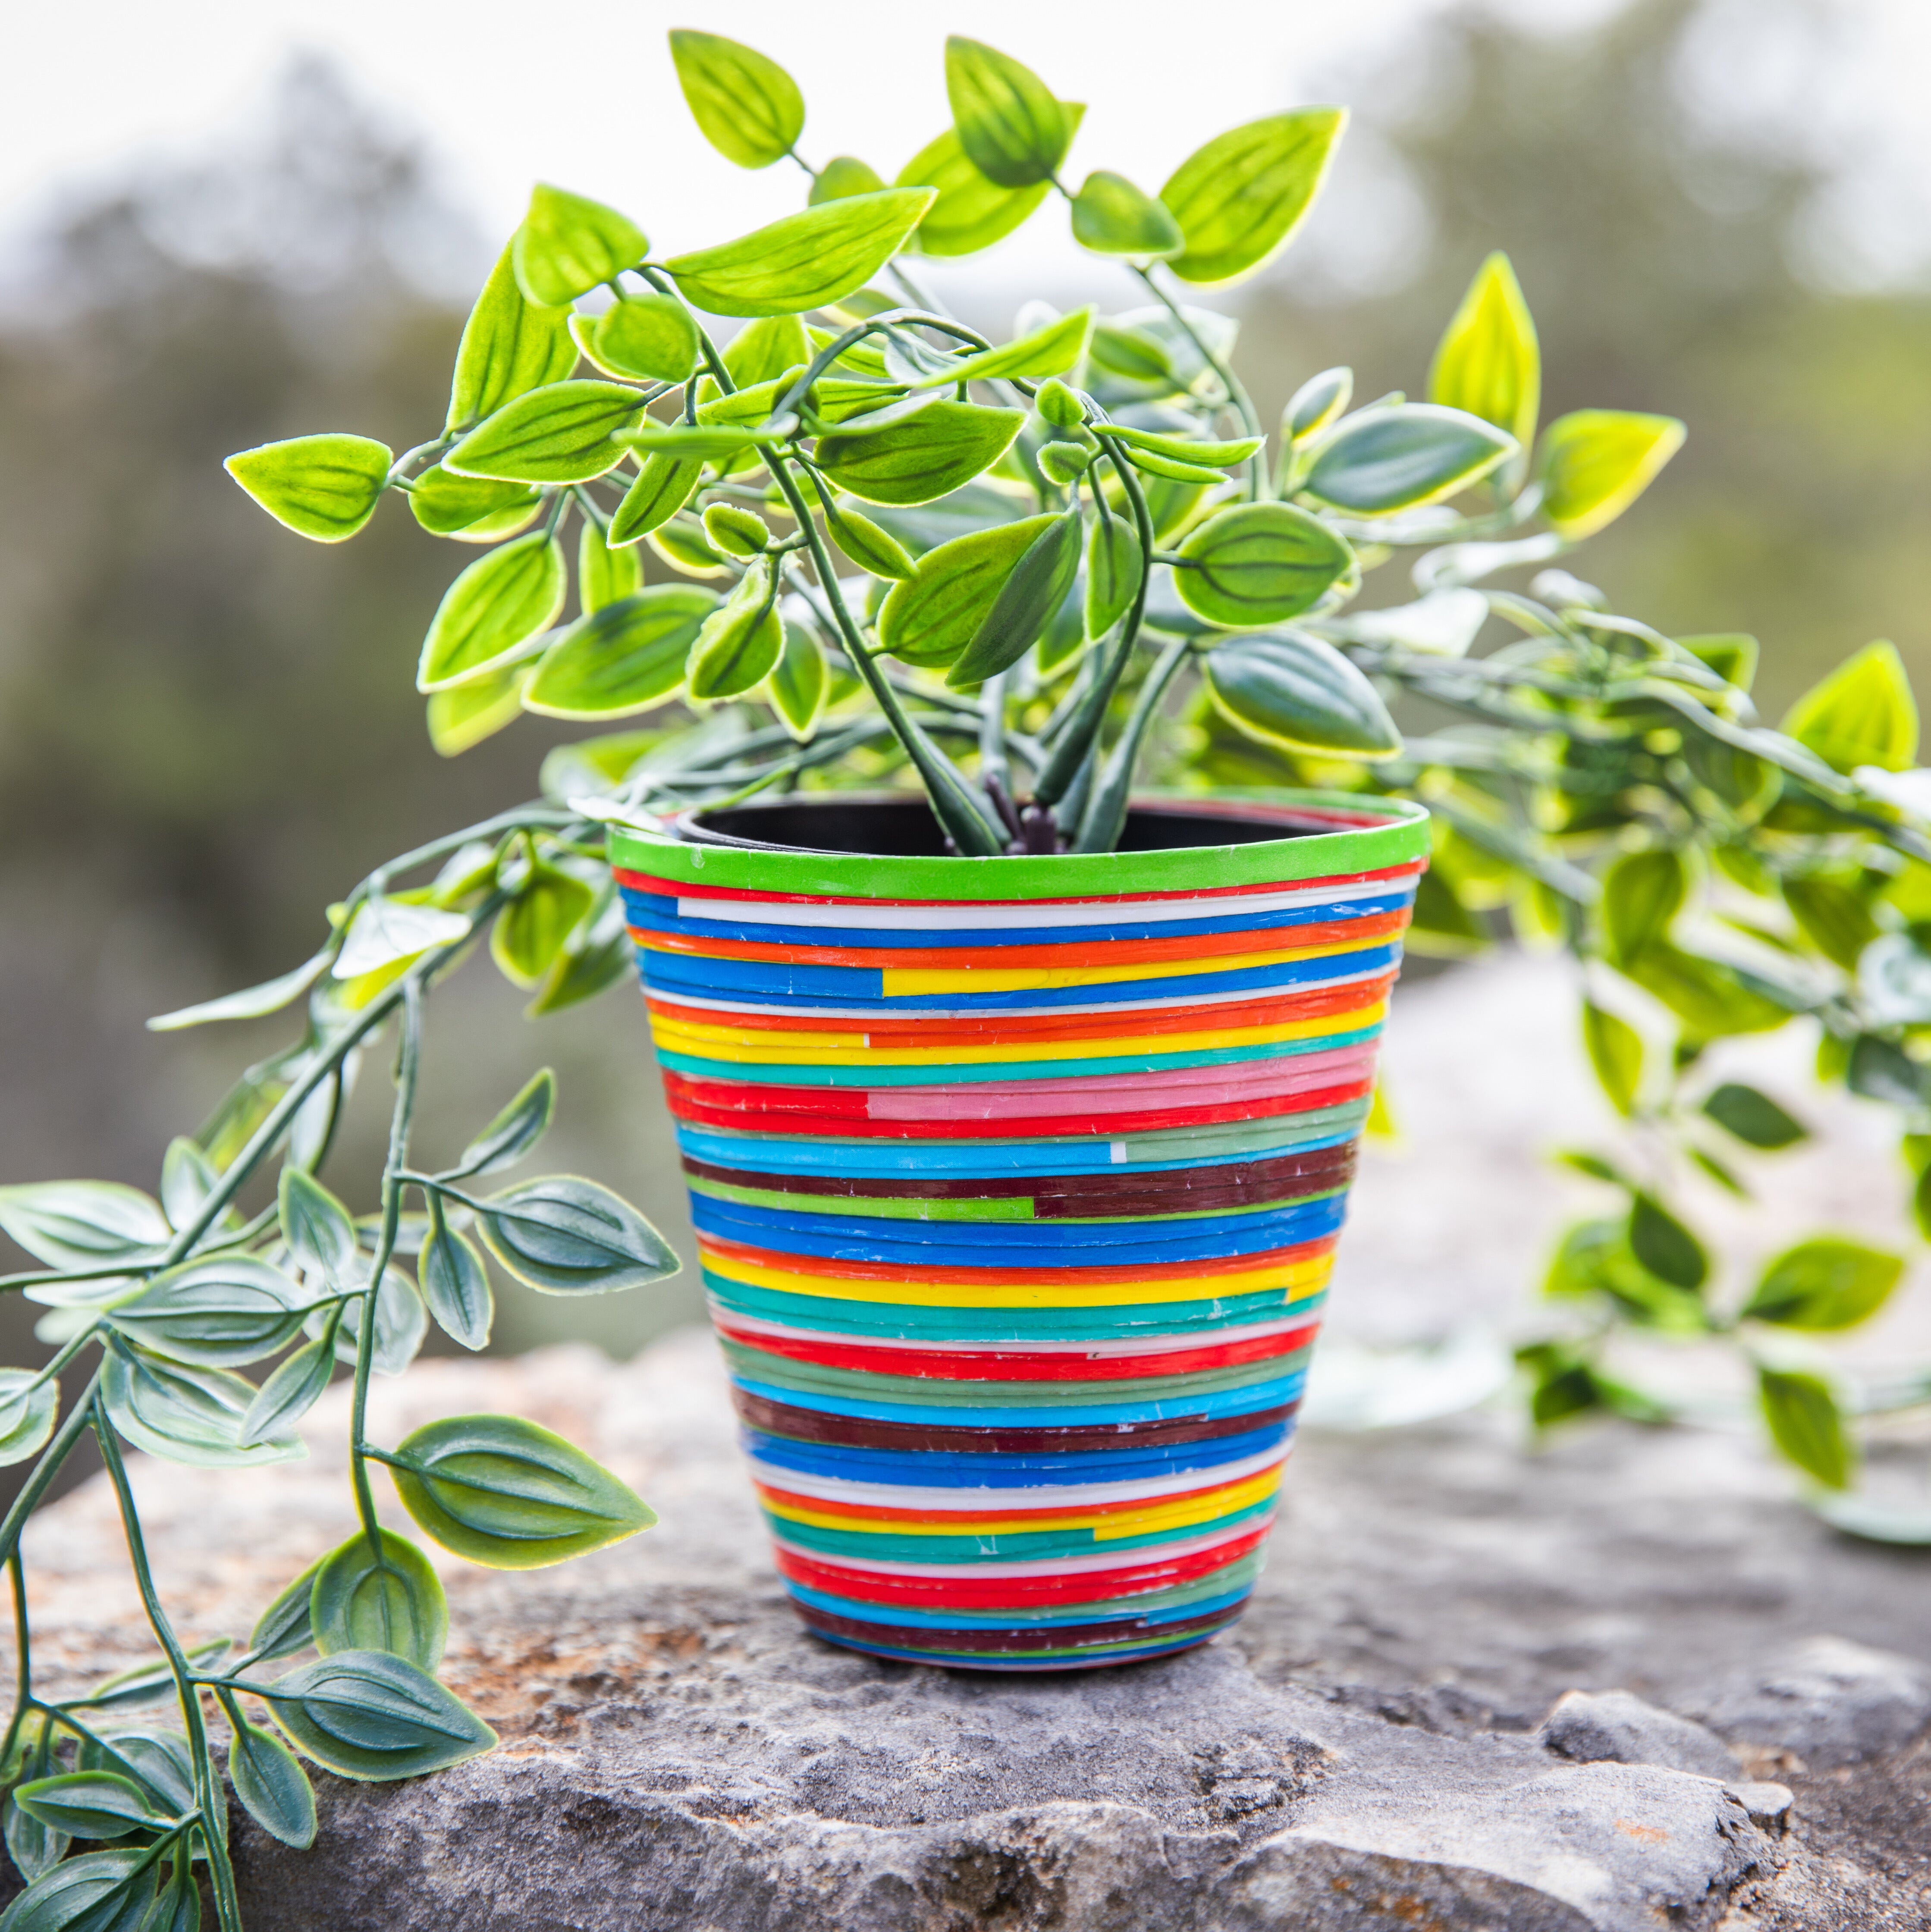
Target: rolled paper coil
x=1016 y=1184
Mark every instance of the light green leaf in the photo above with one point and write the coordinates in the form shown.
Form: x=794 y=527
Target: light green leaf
x=1260 y=563
x=869 y=547
x=930 y=618
x=1287 y=688
x=88 y=1804
x=1488 y=363
x=734 y=531
x=970 y=212
x=454 y=1283
x=385 y=931
x=745 y=106
x=1034 y=590
x=843 y=175
x=1862 y=713
x=594 y=958
x=568 y=245
x=499 y=602
x=1380 y=461
x=530 y=931
x=273 y=1788
x=509 y=346
x=472 y=509
x=1805 y=1424
x=764 y=350
x=186 y=1414
x=938 y=451
x=28 y=1409
x=924 y=528
x=1113 y=567
x=804 y=261
x=1239 y=200
x=1597 y=463
x=1132 y=356
x=1826 y=1283
x=1051 y=349
x=1013 y=131
x=285 y=1627
x=1753 y=1117
x=1731 y=655
x=570 y=1237
x=1711 y=999
x=1111 y=216
x=799 y=681
x=664 y=484
x=1642 y=893
x=252 y=1003
x=647 y=338
x=393 y=1603
x=737 y=644
x=83 y=1224
x=320 y=1232
x=625 y=658
x=503 y=1491
x=1615 y=1052
x=188 y=1177
x=1202 y=455
x=1318 y=402
x=680 y=541
x=1834 y=915
x=560 y=434
x=367 y=1715
x=219 y=1312
x=322 y=487
x=706 y=441
x=604 y=575
x=100 y=1891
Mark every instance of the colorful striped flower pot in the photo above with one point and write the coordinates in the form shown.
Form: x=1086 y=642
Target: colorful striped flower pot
x=1017 y=1182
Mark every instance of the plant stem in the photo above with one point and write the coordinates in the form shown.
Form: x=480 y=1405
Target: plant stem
x=1105 y=815
x=56 y=1453
x=23 y=1660
x=1237 y=395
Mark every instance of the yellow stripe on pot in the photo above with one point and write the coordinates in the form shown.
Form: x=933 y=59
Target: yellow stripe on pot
x=908 y=982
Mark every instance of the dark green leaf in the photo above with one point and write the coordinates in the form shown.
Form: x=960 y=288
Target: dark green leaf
x=567 y=244
x=322 y=487
x=1596 y=462
x=664 y=484
x=503 y=1491
x=454 y=1281
x=514 y=1132
x=943 y=448
x=1642 y=893
x=493 y=610
x=560 y=434
x=1665 y=1246
x=100 y=1891
x=148 y=1683
x=1113 y=567
x=1111 y=216
x=1385 y=459
x=1318 y=402
x=87 y=1805
x=1240 y=198
x=737 y=644
x=594 y=958
x=273 y=1788
x=1130 y=354
x=191 y=1415
x=1753 y=1117
x=747 y=106
x=509 y=346
x=970 y=212
x=320 y=1231
x=920 y=529
x=1013 y=131
x=1804 y=1423
x=284 y=1627
x=567 y=1237
x=1834 y=917
x=366 y=1715
x=1864 y=713
x=290 y=1392
x=530 y=931
x=393 y=1603
x=799 y=681
x=28 y=1413
x=1826 y=1282
x=1260 y=563
x=83 y=1224
x=804 y=261
x=1881 y=1071
x=1488 y=363
x=929 y=619
x=1615 y=1052
x=1287 y=688
x=844 y=174
x=624 y=658
x=646 y=338
x=35 y=1848
x=1034 y=590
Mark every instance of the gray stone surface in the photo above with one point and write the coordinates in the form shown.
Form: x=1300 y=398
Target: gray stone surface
x=1362 y=1754
x=1615 y=1727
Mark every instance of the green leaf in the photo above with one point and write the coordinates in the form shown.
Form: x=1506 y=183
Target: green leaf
x=493 y=610
x=604 y=575
x=252 y=1003
x=1051 y=349
x=799 y=682
x=1116 y=350
x=804 y=261
x=594 y=958
x=148 y=1683
x=454 y=1283
x=1731 y=655
x=100 y=1891
x=394 y=1602
x=530 y=931
x=1881 y=1071
x=1289 y=689
x=1318 y=402
x=1597 y=463
x=1381 y=460
x=745 y=106
x=624 y=658
x=970 y=212
x=322 y=487
x=466 y=714
x=1202 y=455
x=514 y=1132
x=1007 y=121
x=1665 y=1246
x=734 y=531
x=509 y=347
x=185 y=1415
x=567 y=244
x=1833 y=916
x=1615 y=1052
x=34 y=1847
x=385 y=931
x=367 y=1715
x=503 y=1491
x=931 y=617
x=273 y=1787
x=646 y=338
x=320 y=1232
x=664 y=484
x=680 y=542
x=943 y=448
x=1712 y=1000
x=1642 y=893
x=1753 y=1117
x=285 y=1627
x=1864 y=713
x=766 y=350
x=1804 y=1423
x=1111 y=216
x=28 y=1409
x=706 y=441
x=1596 y=1258
x=88 y=1804
x=566 y=1236
x=1826 y=1283
x=1113 y=567
x=1260 y=563
x=1488 y=362
x=83 y=1224
x=216 y=1313
x=1240 y=198
x=1035 y=589
x=290 y=1392
x=870 y=548
x=560 y=434
x=737 y=644
x=472 y=509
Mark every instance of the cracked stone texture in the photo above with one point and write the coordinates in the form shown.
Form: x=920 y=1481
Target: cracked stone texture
x=1363 y=1752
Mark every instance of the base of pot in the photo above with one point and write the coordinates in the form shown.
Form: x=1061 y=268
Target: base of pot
x=953 y=1660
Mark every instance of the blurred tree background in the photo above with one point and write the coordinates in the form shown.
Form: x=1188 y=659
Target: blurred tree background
x=208 y=728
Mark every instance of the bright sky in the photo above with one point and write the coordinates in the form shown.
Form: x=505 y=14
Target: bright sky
x=586 y=97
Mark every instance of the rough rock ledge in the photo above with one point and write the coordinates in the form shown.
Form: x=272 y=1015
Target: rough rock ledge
x=1378 y=1746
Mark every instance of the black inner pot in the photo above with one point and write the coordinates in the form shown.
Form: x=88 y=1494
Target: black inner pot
x=905 y=828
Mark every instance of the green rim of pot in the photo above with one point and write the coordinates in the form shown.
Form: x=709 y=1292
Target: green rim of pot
x=1400 y=836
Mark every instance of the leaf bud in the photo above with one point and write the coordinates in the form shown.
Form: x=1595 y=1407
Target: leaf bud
x=1063 y=462
x=736 y=531
x=1059 y=405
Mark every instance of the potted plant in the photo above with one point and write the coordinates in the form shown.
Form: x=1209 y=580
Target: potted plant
x=1018 y=1104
